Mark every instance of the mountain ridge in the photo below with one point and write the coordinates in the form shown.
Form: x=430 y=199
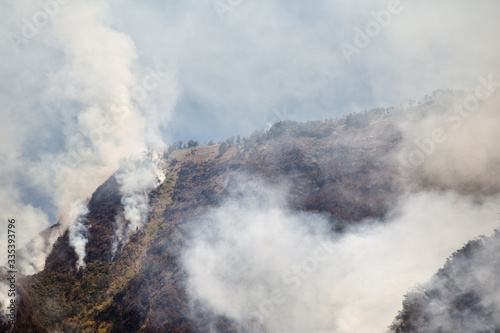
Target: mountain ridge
x=341 y=168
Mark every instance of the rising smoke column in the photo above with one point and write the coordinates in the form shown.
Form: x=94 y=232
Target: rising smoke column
x=96 y=97
x=77 y=232
x=137 y=176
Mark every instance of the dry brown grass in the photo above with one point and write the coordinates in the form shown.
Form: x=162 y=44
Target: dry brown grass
x=201 y=154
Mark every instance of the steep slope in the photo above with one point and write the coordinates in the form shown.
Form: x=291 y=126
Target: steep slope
x=331 y=167
x=103 y=207
x=343 y=169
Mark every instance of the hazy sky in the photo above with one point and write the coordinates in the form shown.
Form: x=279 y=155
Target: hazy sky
x=106 y=79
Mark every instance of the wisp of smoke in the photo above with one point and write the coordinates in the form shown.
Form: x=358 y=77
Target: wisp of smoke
x=32 y=255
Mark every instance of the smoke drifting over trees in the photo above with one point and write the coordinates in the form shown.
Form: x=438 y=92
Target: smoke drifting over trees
x=271 y=269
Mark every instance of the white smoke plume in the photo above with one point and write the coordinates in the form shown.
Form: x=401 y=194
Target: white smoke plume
x=137 y=176
x=33 y=254
x=77 y=231
x=273 y=270
x=86 y=102
x=28 y=218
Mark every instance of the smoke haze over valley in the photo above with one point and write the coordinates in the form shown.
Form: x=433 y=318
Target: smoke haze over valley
x=250 y=166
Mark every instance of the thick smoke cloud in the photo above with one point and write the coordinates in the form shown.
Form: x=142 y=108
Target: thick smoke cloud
x=273 y=270
x=85 y=102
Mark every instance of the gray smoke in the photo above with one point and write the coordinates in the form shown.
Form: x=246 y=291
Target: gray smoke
x=455 y=145
x=271 y=269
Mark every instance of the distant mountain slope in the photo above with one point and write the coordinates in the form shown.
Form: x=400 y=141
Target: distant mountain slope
x=330 y=167
x=461 y=297
x=343 y=168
